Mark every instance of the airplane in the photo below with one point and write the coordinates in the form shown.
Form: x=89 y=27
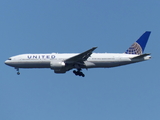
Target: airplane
x=63 y=62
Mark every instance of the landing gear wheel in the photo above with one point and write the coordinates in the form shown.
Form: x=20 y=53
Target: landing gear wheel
x=78 y=73
x=74 y=71
x=83 y=75
x=18 y=73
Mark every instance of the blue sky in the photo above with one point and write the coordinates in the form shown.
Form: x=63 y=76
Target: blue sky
x=129 y=92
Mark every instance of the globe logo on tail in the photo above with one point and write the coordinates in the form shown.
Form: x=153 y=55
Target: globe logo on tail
x=134 y=49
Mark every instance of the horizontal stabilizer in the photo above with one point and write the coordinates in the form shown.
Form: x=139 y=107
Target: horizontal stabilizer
x=141 y=56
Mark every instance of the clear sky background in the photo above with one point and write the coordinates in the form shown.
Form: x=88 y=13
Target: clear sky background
x=129 y=92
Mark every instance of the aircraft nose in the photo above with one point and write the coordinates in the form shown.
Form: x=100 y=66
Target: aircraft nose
x=6 y=62
x=9 y=63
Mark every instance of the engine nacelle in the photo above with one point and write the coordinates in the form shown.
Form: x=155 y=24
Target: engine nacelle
x=58 y=66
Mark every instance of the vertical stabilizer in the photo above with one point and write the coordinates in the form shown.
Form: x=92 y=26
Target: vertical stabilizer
x=139 y=46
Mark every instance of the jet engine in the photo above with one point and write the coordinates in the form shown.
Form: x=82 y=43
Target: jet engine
x=58 y=66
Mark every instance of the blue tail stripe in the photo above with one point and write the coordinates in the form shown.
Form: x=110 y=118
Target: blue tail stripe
x=142 y=41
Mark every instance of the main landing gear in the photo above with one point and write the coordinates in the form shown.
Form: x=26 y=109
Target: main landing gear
x=78 y=72
x=18 y=73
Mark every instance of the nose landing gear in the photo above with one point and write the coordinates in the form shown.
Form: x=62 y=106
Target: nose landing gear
x=18 y=73
x=78 y=72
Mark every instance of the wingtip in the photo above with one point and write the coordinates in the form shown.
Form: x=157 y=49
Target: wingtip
x=94 y=47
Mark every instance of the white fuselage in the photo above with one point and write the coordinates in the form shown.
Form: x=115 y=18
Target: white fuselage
x=96 y=60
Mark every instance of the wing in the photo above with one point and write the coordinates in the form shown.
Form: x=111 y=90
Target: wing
x=80 y=58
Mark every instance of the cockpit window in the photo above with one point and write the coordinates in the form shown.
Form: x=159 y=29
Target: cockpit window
x=9 y=59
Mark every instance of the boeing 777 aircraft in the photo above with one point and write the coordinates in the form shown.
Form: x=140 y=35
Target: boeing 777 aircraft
x=61 y=63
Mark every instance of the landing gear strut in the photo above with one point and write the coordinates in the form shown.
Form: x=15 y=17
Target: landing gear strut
x=78 y=72
x=18 y=73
